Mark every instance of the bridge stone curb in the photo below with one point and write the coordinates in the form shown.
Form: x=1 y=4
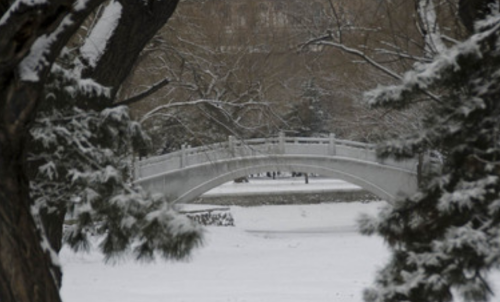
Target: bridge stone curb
x=285 y=198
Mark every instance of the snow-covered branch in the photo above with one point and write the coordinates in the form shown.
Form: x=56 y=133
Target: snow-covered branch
x=216 y=103
x=430 y=28
x=426 y=76
x=327 y=41
x=97 y=40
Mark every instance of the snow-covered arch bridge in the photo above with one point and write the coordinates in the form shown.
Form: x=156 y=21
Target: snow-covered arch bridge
x=186 y=174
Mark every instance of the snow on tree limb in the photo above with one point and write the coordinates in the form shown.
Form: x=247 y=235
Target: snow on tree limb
x=326 y=40
x=432 y=34
x=19 y=5
x=95 y=44
x=36 y=61
x=425 y=76
x=23 y=38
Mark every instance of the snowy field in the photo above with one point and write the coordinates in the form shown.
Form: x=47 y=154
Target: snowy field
x=305 y=253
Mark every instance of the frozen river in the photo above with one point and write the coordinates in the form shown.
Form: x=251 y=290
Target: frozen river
x=302 y=253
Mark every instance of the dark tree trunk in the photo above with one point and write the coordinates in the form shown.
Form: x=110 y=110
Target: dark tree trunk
x=53 y=225
x=27 y=273
x=25 y=269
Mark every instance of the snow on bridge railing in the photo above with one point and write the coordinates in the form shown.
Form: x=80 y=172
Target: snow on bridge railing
x=281 y=145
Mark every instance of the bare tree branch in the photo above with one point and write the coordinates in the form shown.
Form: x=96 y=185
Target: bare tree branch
x=216 y=103
x=327 y=41
x=144 y=94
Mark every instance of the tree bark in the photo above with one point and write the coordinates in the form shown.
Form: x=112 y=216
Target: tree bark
x=27 y=272
x=143 y=95
x=53 y=226
x=137 y=25
x=25 y=269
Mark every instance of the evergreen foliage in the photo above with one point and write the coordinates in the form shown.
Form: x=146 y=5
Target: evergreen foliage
x=81 y=161
x=79 y=141
x=446 y=238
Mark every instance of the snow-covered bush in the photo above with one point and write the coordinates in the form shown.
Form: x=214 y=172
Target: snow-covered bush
x=213 y=218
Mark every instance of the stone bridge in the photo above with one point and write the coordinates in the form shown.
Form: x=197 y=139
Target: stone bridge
x=186 y=174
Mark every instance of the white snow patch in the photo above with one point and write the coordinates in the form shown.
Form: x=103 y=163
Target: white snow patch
x=301 y=253
x=36 y=60
x=96 y=42
x=80 y=5
x=433 y=40
x=15 y=6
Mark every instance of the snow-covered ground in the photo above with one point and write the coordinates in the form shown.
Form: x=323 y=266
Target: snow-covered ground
x=275 y=253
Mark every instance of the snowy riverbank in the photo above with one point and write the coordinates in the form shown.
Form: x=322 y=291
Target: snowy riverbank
x=294 y=253
x=275 y=253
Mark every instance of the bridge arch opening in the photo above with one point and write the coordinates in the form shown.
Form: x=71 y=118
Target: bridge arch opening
x=324 y=171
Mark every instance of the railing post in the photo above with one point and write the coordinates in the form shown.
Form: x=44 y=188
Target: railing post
x=136 y=167
x=231 y=144
x=183 y=156
x=332 y=148
x=378 y=159
x=281 y=142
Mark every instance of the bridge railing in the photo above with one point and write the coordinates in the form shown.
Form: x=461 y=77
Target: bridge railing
x=281 y=145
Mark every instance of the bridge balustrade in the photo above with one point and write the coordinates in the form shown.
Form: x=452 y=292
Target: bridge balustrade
x=281 y=145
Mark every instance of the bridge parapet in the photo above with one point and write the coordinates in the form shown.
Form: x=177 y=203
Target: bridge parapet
x=259 y=147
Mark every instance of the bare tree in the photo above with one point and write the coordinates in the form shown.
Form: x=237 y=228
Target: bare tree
x=219 y=84
x=383 y=44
